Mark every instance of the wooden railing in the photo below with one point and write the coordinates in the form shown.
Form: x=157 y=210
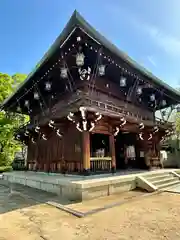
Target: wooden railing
x=100 y=164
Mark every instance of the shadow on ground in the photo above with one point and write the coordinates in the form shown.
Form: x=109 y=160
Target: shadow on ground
x=16 y=196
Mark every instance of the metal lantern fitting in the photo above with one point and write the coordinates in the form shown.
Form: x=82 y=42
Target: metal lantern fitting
x=152 y=97
x=36 y=95
x=101 y=70
x=163 y=102
x=80 y=59
x=139 y=90
x=26 y=103
x=122 y=82
x=64 y=72
x=48 y=86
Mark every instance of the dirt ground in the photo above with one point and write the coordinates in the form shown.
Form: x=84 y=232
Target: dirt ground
x=153 y=217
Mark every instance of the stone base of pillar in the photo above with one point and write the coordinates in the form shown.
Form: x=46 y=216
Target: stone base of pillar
x=113 y=170
x=86 y=172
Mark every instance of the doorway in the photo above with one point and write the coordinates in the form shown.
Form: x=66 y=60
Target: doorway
x=99 y=145
x=128 y=154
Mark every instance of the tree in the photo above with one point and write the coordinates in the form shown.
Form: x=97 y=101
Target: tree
x=8 y=125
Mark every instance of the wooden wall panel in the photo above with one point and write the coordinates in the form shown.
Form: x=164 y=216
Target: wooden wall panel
x=57 y=153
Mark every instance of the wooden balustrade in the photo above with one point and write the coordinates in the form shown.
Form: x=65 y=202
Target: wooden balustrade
x=100 y=164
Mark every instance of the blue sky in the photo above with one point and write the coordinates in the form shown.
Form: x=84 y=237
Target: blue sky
x=148 y=31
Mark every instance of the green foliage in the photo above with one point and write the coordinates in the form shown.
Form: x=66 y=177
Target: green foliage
x=8 y=125
x=5 y=169
x=177 y=121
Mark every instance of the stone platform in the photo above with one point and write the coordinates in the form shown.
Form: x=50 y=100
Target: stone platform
x=79 y=188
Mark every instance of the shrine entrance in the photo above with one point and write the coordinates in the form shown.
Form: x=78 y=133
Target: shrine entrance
x=128 y=151
x=100 y=157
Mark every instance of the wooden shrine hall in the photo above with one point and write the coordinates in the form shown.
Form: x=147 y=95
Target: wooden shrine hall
x=91 y=107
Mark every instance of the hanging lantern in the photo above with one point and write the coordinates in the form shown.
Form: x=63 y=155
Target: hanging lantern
x=64 y=72
x=36 y=95
x=139 y=90
x=122 y=82
x=47 y=86
x=19 y=109
x=152 y=97
x=178 y=109
x=80 y=59
x=26 y=103
x=78 y=39
x=163 y=102
x=101 y=70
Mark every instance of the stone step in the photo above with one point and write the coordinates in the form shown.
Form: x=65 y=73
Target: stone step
x=168 y=184
x=164 y=180
x=156 y=176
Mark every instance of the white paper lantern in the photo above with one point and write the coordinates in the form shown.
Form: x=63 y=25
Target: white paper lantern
x=78 y=39
x=36 y=95
x=139 y=90
x=101 y=70
x=64 y=72
x=122 y=82
x=26 y=103
x=152 y=97
x=19 y=109
x=163 y=102
x=80 y=59
x=48 y=86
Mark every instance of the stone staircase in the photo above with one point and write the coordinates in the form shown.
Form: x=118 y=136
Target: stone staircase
x=158 y=180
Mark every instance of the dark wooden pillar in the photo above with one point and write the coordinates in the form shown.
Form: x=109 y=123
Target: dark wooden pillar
x=112 y=152
x=86 y=152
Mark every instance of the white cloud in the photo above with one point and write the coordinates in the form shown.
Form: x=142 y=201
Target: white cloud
x=168 y=43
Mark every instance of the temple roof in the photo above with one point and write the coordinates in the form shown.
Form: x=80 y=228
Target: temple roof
x=75 y=21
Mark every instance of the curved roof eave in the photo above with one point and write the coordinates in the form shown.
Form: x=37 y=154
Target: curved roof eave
x=77 y=20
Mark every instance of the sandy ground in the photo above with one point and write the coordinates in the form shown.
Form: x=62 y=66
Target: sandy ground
x=153 y=217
